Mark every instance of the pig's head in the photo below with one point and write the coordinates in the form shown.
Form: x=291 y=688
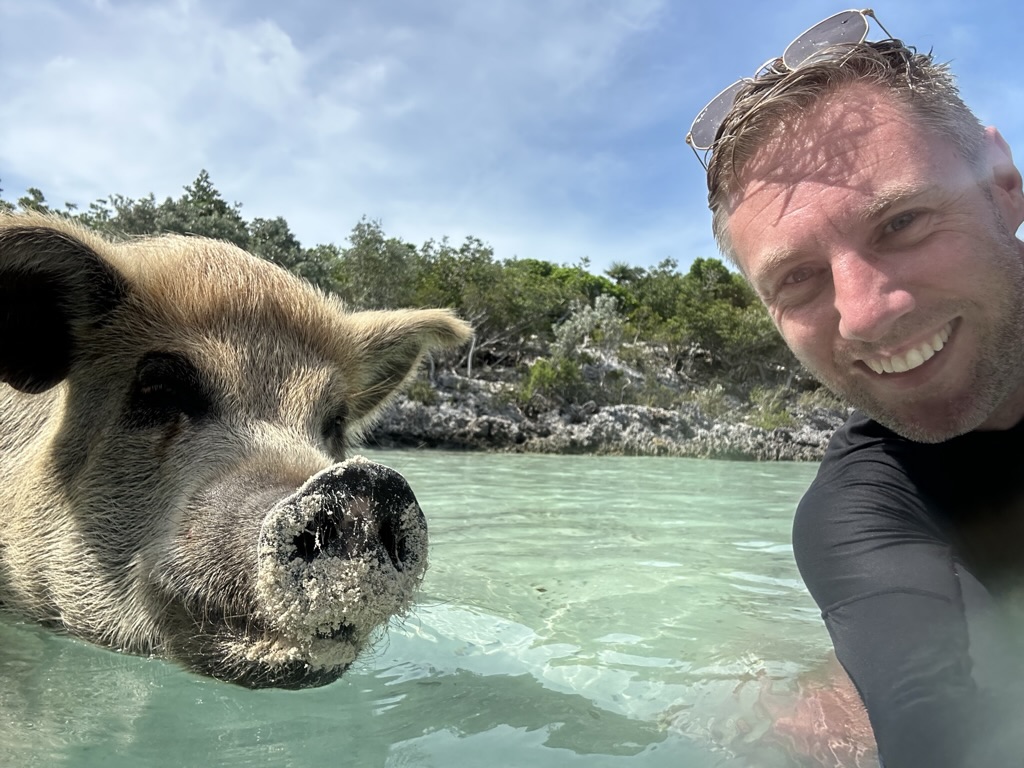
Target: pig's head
x=174 y=477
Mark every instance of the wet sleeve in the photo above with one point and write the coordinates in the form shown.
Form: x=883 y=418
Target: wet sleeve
x=890 y=594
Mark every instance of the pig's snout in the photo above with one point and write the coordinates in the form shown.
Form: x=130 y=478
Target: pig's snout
x=338 y=558
x=368 y=519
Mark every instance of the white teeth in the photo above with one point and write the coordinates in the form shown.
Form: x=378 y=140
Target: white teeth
x=913 y=358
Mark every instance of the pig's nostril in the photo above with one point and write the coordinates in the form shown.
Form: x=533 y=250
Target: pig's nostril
x=326 y=535
x=393 y=544
x=316 y=537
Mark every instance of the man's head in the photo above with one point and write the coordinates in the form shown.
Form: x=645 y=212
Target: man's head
x=875 y=217
x=772 y=103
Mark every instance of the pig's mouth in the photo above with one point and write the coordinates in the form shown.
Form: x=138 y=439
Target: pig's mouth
x=336 y=560
x=342 y=634
x=236 y=666
x=244 y=649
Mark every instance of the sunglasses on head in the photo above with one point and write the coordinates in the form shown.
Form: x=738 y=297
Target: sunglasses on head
x=845 y=27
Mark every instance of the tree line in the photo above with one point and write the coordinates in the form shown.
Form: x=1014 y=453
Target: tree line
x=555 y=323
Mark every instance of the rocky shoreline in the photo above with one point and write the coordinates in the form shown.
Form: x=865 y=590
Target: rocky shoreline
x=477 y=414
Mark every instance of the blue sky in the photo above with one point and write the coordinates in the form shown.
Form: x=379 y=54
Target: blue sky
x=551 y=130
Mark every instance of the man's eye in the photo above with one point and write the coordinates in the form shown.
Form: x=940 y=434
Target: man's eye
x=901 y=222
x=798 y=275
x=796 y=287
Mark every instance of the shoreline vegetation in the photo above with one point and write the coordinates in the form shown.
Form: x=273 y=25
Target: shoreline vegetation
x=635 y=361
x=459 y=413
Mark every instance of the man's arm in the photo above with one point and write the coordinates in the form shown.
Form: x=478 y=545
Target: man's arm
x=891 y=595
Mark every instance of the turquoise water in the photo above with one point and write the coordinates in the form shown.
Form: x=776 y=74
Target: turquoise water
x=578 y=611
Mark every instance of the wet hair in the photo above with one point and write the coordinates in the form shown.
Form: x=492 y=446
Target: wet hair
x=774 y=100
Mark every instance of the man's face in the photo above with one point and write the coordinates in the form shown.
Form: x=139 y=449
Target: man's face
x=890 y=268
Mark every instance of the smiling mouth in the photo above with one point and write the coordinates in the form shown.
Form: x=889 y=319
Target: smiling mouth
x=915 y=357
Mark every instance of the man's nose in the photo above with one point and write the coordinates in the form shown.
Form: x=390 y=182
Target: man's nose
x=868 y=297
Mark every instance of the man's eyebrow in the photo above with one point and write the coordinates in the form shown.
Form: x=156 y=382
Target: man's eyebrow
x=891 y=196
x=768 y=263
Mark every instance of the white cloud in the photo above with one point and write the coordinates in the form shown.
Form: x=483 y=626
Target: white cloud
x=449 y=118
x=550 y=129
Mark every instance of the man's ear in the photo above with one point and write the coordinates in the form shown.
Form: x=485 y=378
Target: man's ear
x=391 y=346
x=54 y=287
x=1006 y=179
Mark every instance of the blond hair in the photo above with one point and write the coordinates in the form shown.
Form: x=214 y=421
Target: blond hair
x=771 y=101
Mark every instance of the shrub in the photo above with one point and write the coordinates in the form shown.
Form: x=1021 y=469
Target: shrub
x=556 y=378
x=712 y=401
x=422 y=391
x=820 y=398
x=768 y=408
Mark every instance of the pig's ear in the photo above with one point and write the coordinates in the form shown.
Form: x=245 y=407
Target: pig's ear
x=392 y=344
x=54 y=287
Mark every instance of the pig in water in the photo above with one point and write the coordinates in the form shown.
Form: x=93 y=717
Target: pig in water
x=172 y=454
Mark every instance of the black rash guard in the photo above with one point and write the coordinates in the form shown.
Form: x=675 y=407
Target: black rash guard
x=909 y=549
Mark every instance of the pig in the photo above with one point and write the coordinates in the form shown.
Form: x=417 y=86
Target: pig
x=176 y=424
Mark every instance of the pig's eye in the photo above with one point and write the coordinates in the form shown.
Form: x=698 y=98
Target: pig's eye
x=167 y=386
x=334 y=428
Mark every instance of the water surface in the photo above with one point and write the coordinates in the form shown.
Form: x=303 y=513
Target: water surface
x=590 y=611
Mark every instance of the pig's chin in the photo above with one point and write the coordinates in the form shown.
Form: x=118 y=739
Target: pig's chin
x=293 y=676
x=255 y=655
x=277 y=663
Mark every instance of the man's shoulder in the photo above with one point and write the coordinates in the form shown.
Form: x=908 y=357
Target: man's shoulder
x=872 y=480
x=868 y=504
x=863 y=453
x=869 y=480
x=861 y=450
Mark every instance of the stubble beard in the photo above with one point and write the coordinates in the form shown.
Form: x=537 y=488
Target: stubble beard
x=998 y=366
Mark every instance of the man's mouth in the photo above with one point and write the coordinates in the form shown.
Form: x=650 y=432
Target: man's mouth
x=913 y=358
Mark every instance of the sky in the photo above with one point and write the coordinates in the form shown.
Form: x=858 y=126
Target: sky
x=549 y=129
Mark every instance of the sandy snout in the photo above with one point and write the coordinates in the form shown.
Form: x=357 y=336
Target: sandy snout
x=337 y=559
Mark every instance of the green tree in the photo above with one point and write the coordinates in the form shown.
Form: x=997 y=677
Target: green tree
x=464 y=279
x=33 y=200
x=118 y=215
x=203 y=211
x=457 y=277
x=319 y=265
x=624 y=274
x=654 y=299
x=375 y=271
x=5 y=206
x=273 y=240
x=723 y=317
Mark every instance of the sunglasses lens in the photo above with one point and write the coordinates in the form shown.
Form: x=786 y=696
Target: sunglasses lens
x=705 y=127
x=845 y=27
